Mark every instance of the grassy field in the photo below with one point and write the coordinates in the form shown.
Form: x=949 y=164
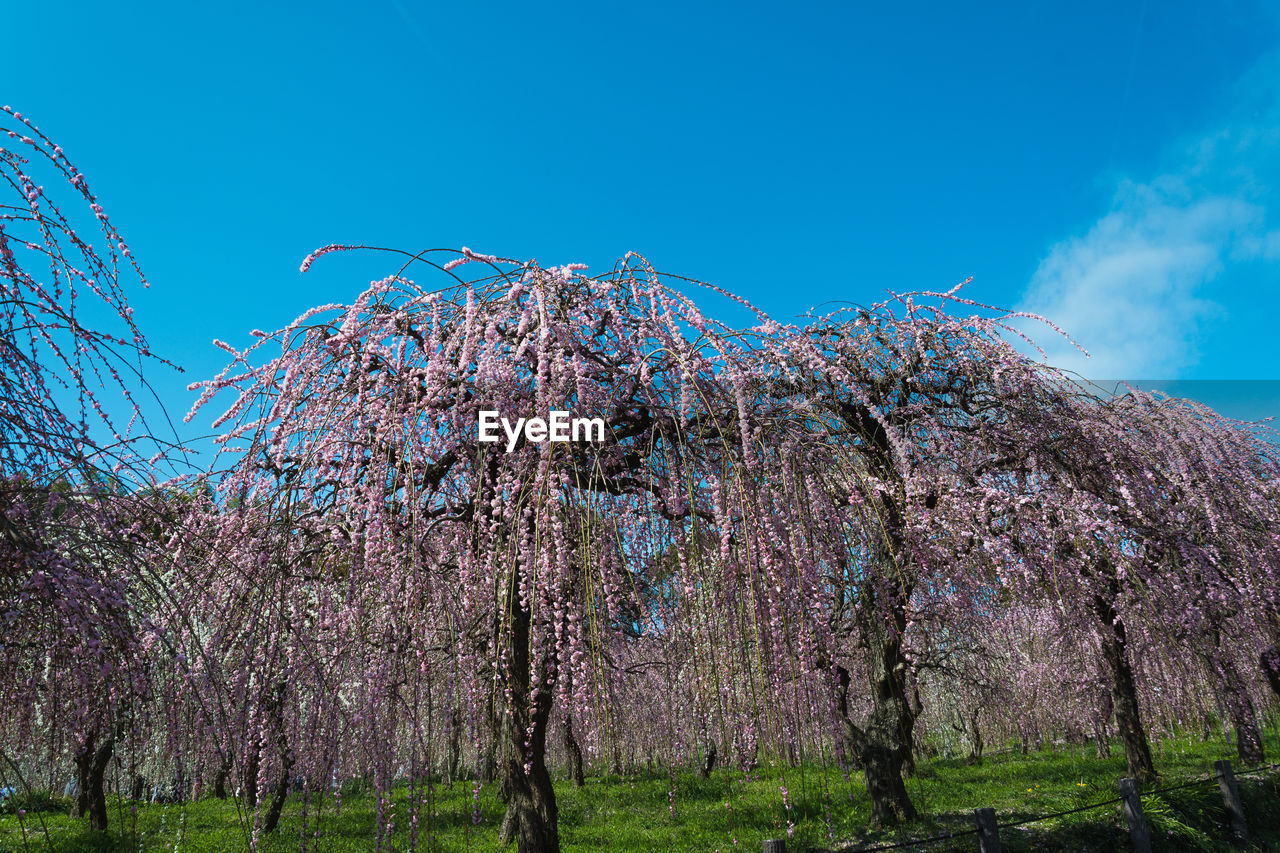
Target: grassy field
x=731 y=811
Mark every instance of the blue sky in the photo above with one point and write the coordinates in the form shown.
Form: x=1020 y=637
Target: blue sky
x=1113 y=165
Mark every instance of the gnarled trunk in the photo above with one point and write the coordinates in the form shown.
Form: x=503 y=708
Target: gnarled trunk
x=916 y=707
x=272 y=817
x=886 y=741
x=532 y=815
x=882 y=747
x=851 y=735
x=1124 y=693
x=91 y=769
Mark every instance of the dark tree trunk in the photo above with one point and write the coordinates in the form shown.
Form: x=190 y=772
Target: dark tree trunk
x=532 y=815
x=1100 y=724
x=220 y=780
x=455 y=744
x=850 y=735
x=1269 y=661
x=1239 y=705
x=272 y=817
x=709 y=755
x=909 y=761
x=975 y=740
x=91 y=771
x=886 y=740
x=916 y=707
x=250 y=783
x=574 y=752
x=1124 y=693
x=80 y=807
x=1101 y=739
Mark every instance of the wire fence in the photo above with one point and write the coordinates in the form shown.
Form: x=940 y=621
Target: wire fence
x=934 y=839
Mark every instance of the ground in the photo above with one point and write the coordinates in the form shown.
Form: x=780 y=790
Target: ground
x=827 y=811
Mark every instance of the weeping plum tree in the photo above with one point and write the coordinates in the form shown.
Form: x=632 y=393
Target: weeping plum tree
x=910 y=410
x=72 y=520
x=1152 y=512
x=1208 y=556
x=520 y=561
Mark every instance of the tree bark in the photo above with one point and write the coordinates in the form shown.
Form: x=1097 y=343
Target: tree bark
x=532 y=815
x=250 y=783
x=574 y=752
x=91 y=770
x=1269 y=661
x=851 y=735
x=916 y=706
x=220 y=780
x=887 y=738
x=1100 y=720
x=709 y=755
x=1124 y=693
x=886 y=742
x=272 y=817
x=975 y=739
x=1235 y=696
x=881 y=749
x=1102 y=742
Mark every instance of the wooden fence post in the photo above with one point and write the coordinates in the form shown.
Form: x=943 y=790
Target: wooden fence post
x=1133 y=814
x=775 y=845
x=988 y=831
x=1231 y=799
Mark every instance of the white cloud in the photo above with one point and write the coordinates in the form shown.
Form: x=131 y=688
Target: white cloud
x=1135 y=288
x=1130 y=291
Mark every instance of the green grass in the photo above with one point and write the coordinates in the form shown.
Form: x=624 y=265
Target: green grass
x=828 y=811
